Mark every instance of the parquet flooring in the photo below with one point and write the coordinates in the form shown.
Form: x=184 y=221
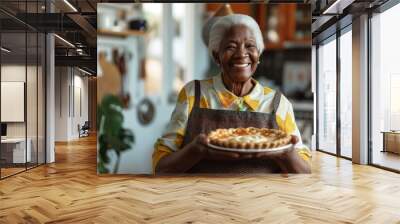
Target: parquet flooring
x=69 y=191
x=387 y=159
x=10 y=171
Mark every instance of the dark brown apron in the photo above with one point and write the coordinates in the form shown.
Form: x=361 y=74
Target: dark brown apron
x=203 y=120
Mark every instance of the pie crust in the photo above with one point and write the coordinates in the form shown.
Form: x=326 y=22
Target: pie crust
x=249 y=138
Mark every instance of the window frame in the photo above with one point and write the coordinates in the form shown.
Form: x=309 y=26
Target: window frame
x=335 y=36
x=381 y=9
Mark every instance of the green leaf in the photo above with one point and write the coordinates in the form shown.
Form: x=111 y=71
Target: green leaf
x=112 y=135
x=102 y=168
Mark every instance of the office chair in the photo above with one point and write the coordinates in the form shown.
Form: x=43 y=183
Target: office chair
x=84 y=130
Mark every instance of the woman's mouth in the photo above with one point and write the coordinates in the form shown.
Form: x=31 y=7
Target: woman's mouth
x=241 y=65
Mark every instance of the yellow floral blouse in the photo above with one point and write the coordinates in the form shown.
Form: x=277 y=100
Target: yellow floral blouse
x=214 y=95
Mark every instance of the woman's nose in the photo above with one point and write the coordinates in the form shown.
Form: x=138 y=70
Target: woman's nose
x=241 y=52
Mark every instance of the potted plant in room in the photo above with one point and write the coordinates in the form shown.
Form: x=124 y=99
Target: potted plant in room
x=111 y=134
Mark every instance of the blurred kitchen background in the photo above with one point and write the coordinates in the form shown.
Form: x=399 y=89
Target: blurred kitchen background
x=146 y=52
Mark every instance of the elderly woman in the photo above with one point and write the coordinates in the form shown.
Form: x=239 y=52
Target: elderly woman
x=231 y=99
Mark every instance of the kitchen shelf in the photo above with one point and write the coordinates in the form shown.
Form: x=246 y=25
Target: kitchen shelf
x=120 y=34
x=294 y=44
x=293 y=26
x=297 y=44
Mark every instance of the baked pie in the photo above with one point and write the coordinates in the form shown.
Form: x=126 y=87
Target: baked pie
x=249 y=138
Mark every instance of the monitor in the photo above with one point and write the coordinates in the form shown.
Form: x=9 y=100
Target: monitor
x=3 y=129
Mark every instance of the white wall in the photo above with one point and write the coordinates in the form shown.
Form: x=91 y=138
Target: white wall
x=314 y=90
x=80 y=83
x=201 y=56
x=61 y=103
x=138 y=159
x=12 y=73
x=67 y=115
x=16 y=73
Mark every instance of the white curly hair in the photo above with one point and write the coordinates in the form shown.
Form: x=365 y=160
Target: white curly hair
x=224 y=23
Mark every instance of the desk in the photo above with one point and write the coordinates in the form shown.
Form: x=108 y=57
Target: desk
x=391 y=141
x=13 y=150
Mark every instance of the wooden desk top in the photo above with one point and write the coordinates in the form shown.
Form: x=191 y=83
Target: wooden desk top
x=391 y=132
x=13 y=140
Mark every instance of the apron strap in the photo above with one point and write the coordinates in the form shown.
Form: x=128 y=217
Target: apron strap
x=197 y=94
x=276 y=101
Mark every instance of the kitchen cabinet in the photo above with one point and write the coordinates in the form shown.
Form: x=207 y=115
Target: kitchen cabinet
x=285 y=25
x=120 y=34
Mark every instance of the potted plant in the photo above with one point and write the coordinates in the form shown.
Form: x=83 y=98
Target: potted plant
x=111 y=134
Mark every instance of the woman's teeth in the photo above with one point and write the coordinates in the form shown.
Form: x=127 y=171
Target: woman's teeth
x=241 y=65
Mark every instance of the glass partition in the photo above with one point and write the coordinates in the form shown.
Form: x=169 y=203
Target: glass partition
x=41 y=107
x=31 y=98
x=346 y=93
x=13 y=109
x=22 y=77
x=327 y=95
x=385 y=89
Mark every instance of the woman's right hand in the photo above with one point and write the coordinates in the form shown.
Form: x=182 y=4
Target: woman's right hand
x=197 y=150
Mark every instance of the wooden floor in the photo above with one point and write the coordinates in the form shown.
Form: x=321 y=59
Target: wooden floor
x=5 y=172
x=70 y=191
x=387 y=159
x=10 y=171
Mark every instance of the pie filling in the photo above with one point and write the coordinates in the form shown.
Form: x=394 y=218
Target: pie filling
x=248 y=138
x=256 y=138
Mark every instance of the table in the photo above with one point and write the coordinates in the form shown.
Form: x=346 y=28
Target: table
x=391 y=141
x=13 y=150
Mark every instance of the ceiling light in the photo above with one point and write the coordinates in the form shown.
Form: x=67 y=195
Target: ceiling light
x=84 y=71
x=337 y=7
x=65 y=41
x=5 y=50
x=79 y=51
x=331 y=7
x=70 y=5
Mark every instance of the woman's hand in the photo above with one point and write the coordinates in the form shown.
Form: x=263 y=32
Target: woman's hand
x=197 y=150
x=289 y=161
x=184 y=159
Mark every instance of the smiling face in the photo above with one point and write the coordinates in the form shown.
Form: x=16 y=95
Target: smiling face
x=238 y=54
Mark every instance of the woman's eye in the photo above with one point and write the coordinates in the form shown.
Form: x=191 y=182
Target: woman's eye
x=250 y=46
x=230 y=47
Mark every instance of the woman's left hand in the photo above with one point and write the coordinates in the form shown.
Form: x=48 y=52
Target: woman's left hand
x=288 y=160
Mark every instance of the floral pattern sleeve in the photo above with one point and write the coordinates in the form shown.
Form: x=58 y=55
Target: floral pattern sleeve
x=172 y=138
x=286 y=122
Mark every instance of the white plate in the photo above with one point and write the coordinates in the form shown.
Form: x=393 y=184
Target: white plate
x=280 y=148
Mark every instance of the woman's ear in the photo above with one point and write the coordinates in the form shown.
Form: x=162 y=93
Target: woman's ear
x=216 y=58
